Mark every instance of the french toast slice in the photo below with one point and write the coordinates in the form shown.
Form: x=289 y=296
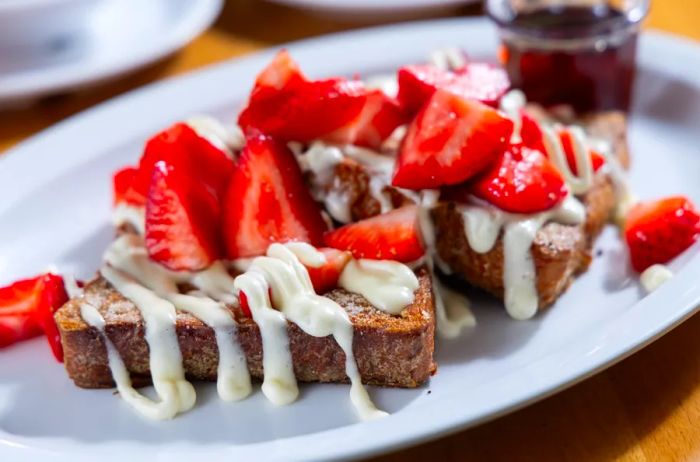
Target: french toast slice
x=394 y=351
x=560 y=252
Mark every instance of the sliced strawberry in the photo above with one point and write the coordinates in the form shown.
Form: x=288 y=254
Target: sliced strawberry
x=658 y=231
x=182 y=220
x=379 y=117
x=124 y=191
x=531 y=132
x=53 y=296
x=288 y=106
x=521 y=181
x=243 y=301
x=27 y=308
x=267 y=201
x=325 y=278
x=184 y=149
x=451 y=140
x=567 y=143
x=390 y=236
x=533 y=137
x=480 y=81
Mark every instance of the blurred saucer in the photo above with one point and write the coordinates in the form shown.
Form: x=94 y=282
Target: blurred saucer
x=375 y=9
x=115 y=37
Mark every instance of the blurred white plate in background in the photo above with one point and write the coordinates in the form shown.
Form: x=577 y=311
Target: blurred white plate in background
x=91 y=41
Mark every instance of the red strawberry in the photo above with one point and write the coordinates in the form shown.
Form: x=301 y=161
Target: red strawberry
x=267 y=201
x=533 y=137
x=390 y=236
x=378 y=119
x=479 y=81
x=288 y=106
x=658 y=231
x=521 y=181
x=182 y=220
x=567 y=142
x=124 y=191
x=27 y=308
x=184 y=149
x=326 y=277
x=243 y=301
x=451 y=140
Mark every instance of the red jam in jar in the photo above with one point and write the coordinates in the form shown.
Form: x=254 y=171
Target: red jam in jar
x=577 y=55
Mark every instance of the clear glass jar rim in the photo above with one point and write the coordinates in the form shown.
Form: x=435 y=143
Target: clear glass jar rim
x=499 y=12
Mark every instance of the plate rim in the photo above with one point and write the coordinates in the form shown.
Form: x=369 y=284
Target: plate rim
x=628 y=344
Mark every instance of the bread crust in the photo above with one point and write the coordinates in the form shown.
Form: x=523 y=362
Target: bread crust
x=394 y=351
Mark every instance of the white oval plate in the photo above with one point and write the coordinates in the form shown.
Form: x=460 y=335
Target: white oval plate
x=120 y=36
x=55 y=209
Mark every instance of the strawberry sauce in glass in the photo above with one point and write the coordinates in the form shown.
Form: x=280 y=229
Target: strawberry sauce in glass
x=571 y=52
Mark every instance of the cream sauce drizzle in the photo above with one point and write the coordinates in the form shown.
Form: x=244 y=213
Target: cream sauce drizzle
x=292 y=293
x=483 y=224
x=654 y=277
x=126 y=214
x=153 y=289
x=449 y=324
x=388 y=285
x=228 y=140
x=128 y=254
x=176 y=394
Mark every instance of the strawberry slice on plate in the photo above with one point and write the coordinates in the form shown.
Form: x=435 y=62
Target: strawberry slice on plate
x=182 y=220
x=660 y=230
x=523 y=180
x=27 y=308
x=182 y=147
x=480 y=81
x=451 y=140
x=267 y=201
x=566 y=138
x=390 y=236
x=124 y=191
x=325 y=278
x=288 y=106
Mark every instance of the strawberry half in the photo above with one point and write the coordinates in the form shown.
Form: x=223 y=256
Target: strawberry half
x=124 y=191
x=182 y=220
x=325 y=278
x=480 y=81
x=181 y=147
x=288 y=106
x=27 y=308
x=523 y=180
x=267 y=201
x=376 y=121
x=390 y=236
x=533 y=137
x=451 y=140
x=658 y=231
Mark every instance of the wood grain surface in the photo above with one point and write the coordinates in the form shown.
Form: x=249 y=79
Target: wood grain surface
x=646 y=408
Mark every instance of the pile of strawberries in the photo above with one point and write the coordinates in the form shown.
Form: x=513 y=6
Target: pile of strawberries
x=202 y=204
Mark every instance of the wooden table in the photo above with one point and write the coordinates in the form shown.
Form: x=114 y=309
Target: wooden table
x=647 y=408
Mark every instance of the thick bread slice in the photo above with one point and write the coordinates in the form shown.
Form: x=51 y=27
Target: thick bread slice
x=390 y=350
x=559 y=251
